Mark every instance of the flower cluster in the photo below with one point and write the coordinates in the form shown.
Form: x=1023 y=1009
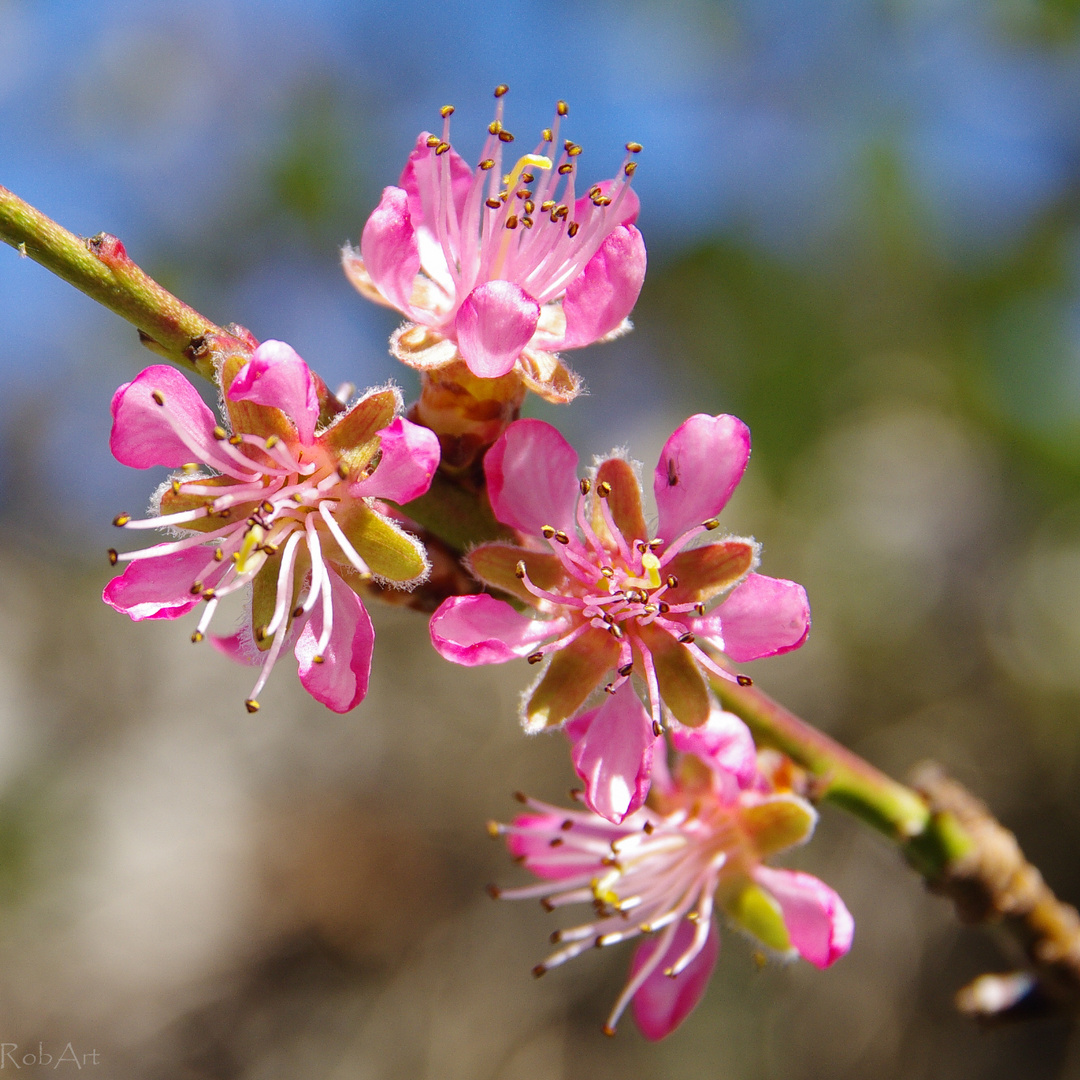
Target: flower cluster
x=500 y=269
x=604 y=594
x=659 y=875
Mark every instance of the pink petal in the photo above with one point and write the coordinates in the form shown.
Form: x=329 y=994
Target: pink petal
x=723 y=742
x=160 y=588
x=533 y=846
x=389 y=249
x=700 y=466
x=341 y=680
x=237 y=647
x=817 y=920
x=662 y=1003
x=494 y=323
x=613 y=752
x=763 y=616
x=277 y=377
x=421 y=181
x=410 y=456
x=605 y=292
x=142 y=435
x=479 y=629
x=532 y=478
x=629 y=208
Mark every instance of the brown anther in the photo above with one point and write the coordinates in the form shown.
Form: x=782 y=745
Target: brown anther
x=259 y=633
x=547 y=205
x=512 y=221
x=576 y=794
x=487 y=164
x=546 y=135
x=269 y=549
x=672 y=581
x=175 y=487
x=318 y=658
x=565 y=168
x=616 y=631
x=493 y=891
x=657 y=729
x=298 y=611
x=562 y=108
x=219 y=555
x=649 y=828
x=220 y=433
x=494 y=127
x=446 y=110
x=555 y=937
x=267 y=506
x=343 y=470
x=535 y=658
x=527 y=177
x=664 y=607
x=572 y=228
x=607 y=571
x=433 y=140
x=744 y=680
x=520 y=570
x=547 y=531
x=501 y=89
x=699 y=608
x=562 y=538
x=630 y=168
x=196 y=588
x=652 y=609
x=492 y=204
x=196 y=637
x=711 y=524
x=114 y=556
x=208 y=594
x=626 y=669
x=530 y=206
x=158 y=396
x=609 y=689
x=609 y=1031
x=686 y=639
x=562 y=210
x=567 y=825
x=121 y=520
x=539 y=970
x=573 y=150
x=505 y=136
x=585 y=485
x=556 y=841
x=272 y=441
x=640 y=547
x=634 y=147
x=441 y=149
x=526 y=222
x=521 y=797
x=603 y=489
x=656 y=544
x=251 y=705
x=493 y=830
x=547 y=905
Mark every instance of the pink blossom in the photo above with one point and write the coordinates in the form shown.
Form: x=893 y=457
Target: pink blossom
x=277 y=503
x=604 y=592
x=500 y=269
x=659 y=875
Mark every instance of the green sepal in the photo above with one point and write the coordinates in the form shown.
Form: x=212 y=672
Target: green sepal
x=778 y=823
x=706 y=571
x=573 y=674
x=624 y=501
x=756 y=912
x=495 y=564
x=353 y=436
x=390 y=553
x=682 y=686
x=177 y=503
x=246 y=416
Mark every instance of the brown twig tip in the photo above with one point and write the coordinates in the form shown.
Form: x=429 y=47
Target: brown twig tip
x=994 y=882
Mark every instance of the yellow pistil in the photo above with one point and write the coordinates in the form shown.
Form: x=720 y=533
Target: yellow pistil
x=529 y=161
x=651 y=565
x=256 y=535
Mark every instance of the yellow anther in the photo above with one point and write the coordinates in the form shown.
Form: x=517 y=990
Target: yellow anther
x=651 y=565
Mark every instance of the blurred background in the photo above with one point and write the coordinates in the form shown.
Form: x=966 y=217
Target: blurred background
x=863 y=222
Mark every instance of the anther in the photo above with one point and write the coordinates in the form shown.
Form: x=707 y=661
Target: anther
x=630 y=168
x=610 y=689
x=562 y=537
x=343 y=470
x=711 y=524
x=527 y=222
x=121 y=520
x=539 y=970
x=663 y=607
x=220 y=433
x=501 y=89
x=640 y=546
x=176 y=487
x=536 y=657
x=634 y=147
x=567 y=825
x=493 y=891
x=520 y=570
x=555 y=937
x=547 y=205
x=626 y=669
x=487 y=164
x=272 y=441
x=556 y=841
x=699 y=608
x=298 y=611
x=585 y=485
x=318 y=658
x=562 y=108
x=744 y=680
x=656 y=545
x=158 y=396
x=492 y=204
x=446 y=110
x=547 y=905
x=494 y=127
x=576 y=794
x=511 y=221
x=565 y=168
x=441 y=149
x=572 y=228
x=208 y=594
x=259 y=633
x=607 y=571
x=521 y=797
x=251 y=705
x=196 y=637
x=547 y=531
x=196 y=588
x=493 y=830
x=113 y=556
x=505 y=136
x=649 y=828
x=672 y=581
x=433 y=141
x=527 y=177
x=657 y=728
x=571 y=148
x=603 y=489
x=235 y=440
x=267 y=506
x=219 y=555
x=686 y=639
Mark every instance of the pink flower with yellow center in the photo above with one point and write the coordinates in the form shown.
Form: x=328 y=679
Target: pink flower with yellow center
x=607 y=594
x=278 y=503
x=661 y=874
x=501 y=269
